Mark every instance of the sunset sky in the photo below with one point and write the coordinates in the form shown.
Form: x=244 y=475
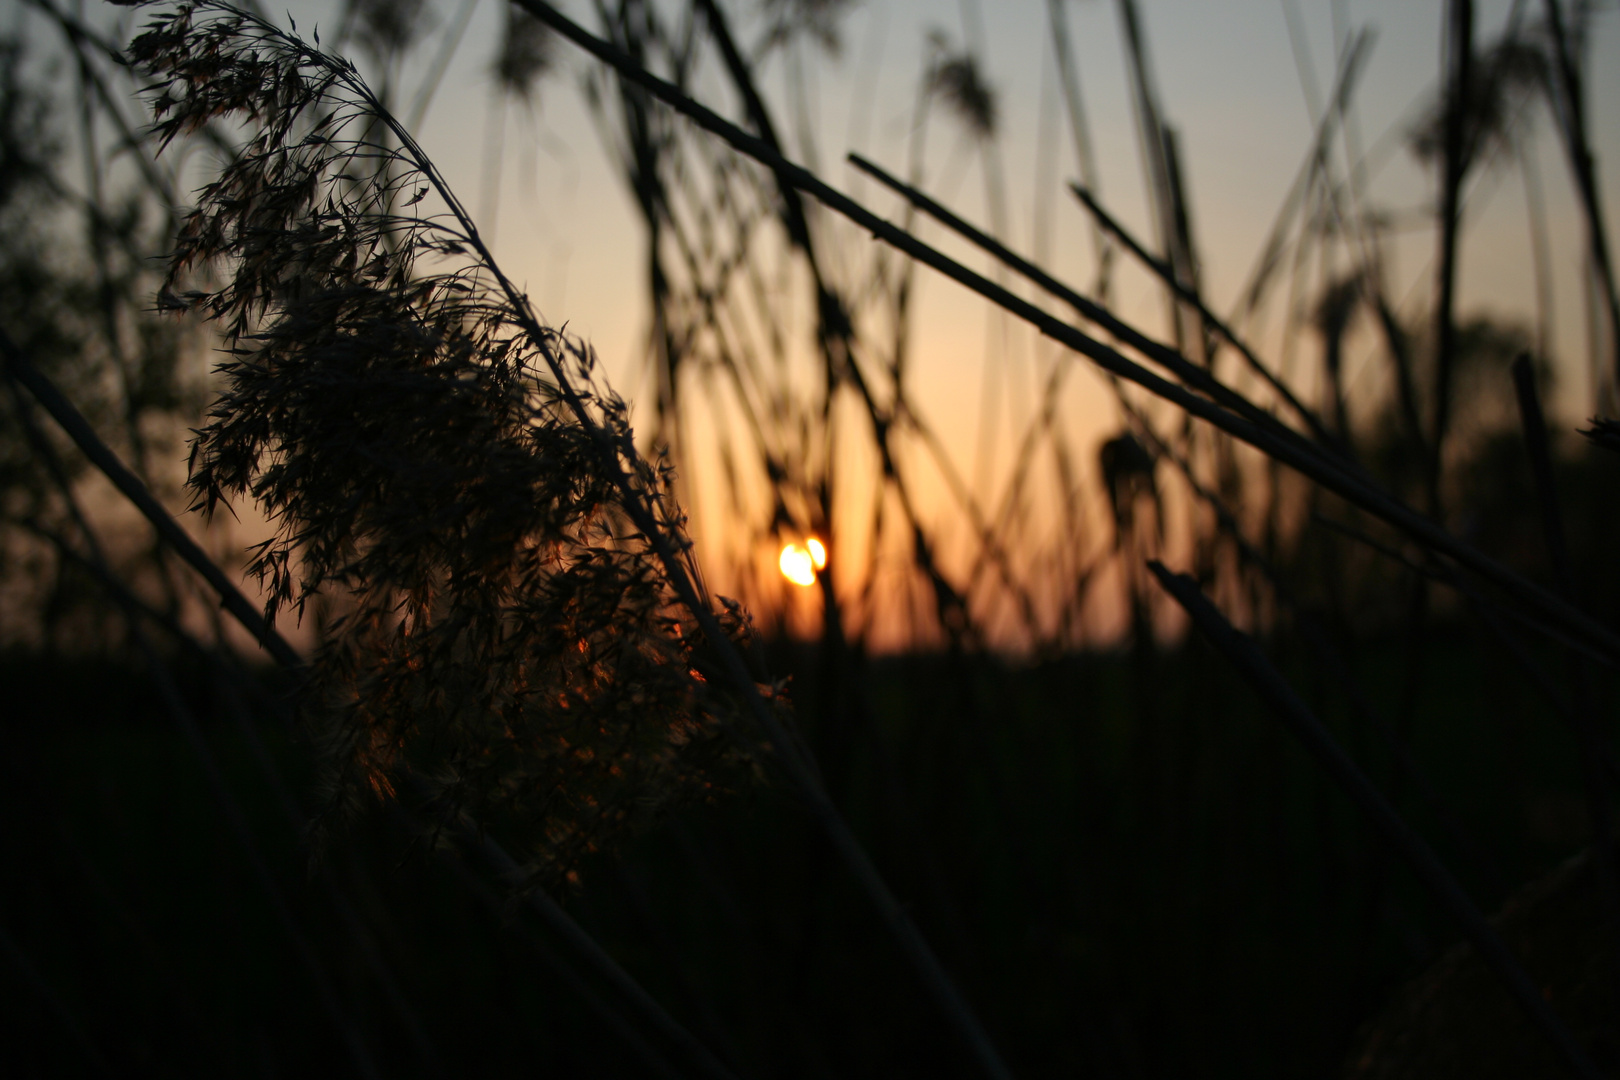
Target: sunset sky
x=1229 y=79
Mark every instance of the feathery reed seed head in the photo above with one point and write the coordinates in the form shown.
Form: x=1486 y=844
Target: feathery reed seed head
x=527 y=53
x=956 y=78
x=437 y=459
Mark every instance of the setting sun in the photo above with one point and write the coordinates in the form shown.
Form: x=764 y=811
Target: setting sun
x=799 y=562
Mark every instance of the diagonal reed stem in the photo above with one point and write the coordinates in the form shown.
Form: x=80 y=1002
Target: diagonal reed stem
x=1167 y=357
x=1328 y=655
x=474 y=838
x=103 y=457
x=1168 y=276
x=130 y=486
x=236 y=820
x=1257 y=671
x=1289 y=449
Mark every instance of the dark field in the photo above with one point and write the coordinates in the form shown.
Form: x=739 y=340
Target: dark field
x=1127 y=863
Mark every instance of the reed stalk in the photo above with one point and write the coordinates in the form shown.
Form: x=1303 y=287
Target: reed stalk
x=1247 y=658
x=1283 y=448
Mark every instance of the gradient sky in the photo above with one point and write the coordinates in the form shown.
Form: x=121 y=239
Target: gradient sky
x=1228 y=78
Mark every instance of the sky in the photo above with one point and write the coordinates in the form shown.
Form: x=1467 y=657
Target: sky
x=1228 y=80
x=1231 y=79
x=1236 y=85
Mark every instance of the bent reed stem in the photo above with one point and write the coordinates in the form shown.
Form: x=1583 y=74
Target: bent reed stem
x=106 y=460
x=1291 y=450
x=1272 y=688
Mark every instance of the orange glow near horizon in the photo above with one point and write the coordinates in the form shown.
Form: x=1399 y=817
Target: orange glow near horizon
x=799 y=562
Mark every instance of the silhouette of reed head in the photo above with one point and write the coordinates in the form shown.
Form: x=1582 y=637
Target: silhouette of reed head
x=437 y=462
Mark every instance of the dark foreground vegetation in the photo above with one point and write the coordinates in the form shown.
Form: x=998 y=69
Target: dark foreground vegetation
x=536 y=801
x=1181 y=897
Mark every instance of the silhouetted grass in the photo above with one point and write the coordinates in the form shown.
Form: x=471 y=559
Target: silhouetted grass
x=1189 y=899
x=1125 y=865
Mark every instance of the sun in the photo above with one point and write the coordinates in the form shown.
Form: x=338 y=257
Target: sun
x=799 y=562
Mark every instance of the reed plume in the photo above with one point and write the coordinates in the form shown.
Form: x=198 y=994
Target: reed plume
x=436 y=458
